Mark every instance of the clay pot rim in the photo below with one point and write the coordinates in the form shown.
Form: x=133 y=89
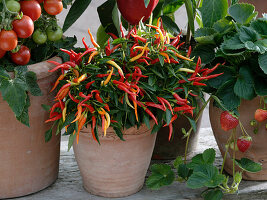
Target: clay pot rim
x=41 y=68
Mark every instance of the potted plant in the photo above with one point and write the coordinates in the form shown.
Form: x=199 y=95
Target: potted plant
x=126 y=90
x=28 y=164
x=237 y=41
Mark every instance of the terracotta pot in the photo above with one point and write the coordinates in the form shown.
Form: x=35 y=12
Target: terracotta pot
x=169 y=150
x=28 y=164
x=115 y=168
x=260 y=5
x=257 y=151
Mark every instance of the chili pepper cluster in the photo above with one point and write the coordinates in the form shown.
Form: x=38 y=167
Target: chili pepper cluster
x=139 y=76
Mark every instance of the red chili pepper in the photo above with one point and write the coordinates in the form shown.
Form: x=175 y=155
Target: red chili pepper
x=57 y=117
x=72 y=64
x=91 y=108
x=89 y=84
x=142 y=60
x=85 y=45
x=89 y=50
x=178 y=98
x=67 y=85
x=107 y=49
x=73 y=99
x=178 y=46
x=168 y=104
x=170 y=131
x=162 y=103
x=93 y=127
x=132 y=31
x=52 y=109
x=113 y=36
x=199 y=84
x=138 y=38
x=172 y=120
x=125 y=90
x=176 y=40
x=79 y=113
x=121 y=76
x=172 y=60
x=62 y=66
x=198 y=66
x=152 y=104
x=114 y=48
x=120 y=83
x=189 y=51
x=122 y=33
x=208 y=71
x=183 y=108
x=132 y=52
x=113 y=121
x=151 y=115
x=98 y=98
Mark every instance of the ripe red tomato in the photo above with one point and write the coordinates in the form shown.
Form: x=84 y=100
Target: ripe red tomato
x=8 y=40
x=134 y=10
x=24 y=27
x=2 y=53
x=22 y=57
x=31 y=8
x=53 y=7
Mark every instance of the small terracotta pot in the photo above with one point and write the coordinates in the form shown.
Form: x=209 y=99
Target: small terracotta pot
x=169 y=150
x=260 y=5
x=114 y=168
x=257 y=151
x=27 y=163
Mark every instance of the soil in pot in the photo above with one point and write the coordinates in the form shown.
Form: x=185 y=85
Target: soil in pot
x=28 y=164
x=258 y=149
x=169 y=150
x=114 y=168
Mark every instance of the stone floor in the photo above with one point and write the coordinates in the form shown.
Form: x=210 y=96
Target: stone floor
x=69 y=184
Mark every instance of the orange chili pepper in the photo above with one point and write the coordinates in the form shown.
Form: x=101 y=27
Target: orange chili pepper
x=139 y=55
x=109 y=77
x=61 y=77
x=76 y=73
x=93 y=127
x=92 y=55
x=183 y=57
x=63 y=93
x=82 y=121
x=166 y=56
x=82 y=78
x=79 y=113
x=92 y=39
x=135 y=109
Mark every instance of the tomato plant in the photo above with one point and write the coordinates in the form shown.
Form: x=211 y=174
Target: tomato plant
x=54 y=33
x=22 y=57
x=31 y=8
x=13 y=6
x=39 y=37
x=8 y=40
x=2 y=53
x=23 y=27
x=53 y=7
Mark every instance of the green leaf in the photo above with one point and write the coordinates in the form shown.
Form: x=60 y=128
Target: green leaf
x=205 y=176
x=101 y=36
x=14 y=92
x=226 y=94
x=205 y=35
x=212 y=11
x=178 y=161
x=146 y=2
x=260 y=85
x=46 y=107
x=248 y=165
x=248 y=34
x=31 y=81
x=205 y=52
x=161 y=175
x=232 y=43
x=168 y=116
x=24 y=117
x=260 y=26
x=48 y=135
x=108 y=15
x=242 y=13
x=71 y=140
x=76 y=10
x=263 y=62
x=69 y=118
x=184 y=171
x=244 y=86
x=156 y=128
x=192 y=123
x=209 y=156
x=170 y=6
x=170 y=25
x=223 y=25
x=146 y=120
x=215 y=194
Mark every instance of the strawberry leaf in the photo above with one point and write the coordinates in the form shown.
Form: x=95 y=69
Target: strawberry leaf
x=248 y=165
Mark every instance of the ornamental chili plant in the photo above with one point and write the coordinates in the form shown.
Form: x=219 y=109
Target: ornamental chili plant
x=133 y=79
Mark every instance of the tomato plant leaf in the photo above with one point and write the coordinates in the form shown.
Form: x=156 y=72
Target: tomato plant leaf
x=24 y=117
x=161 y=175
x=76 y=10
x=32 y=85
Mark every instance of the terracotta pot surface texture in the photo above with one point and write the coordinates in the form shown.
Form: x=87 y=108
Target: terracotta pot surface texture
x=115 y=168
x=257 y=151
x=28 y=164
x=260 y=5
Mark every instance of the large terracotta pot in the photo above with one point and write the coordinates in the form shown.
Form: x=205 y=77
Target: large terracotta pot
x=257 y=152
x=169 y=150
x=115 y=168
x=260 y=5
x=27 y=163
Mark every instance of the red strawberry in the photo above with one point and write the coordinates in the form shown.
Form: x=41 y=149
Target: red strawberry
x=260 y=115
x=228 y=121
x=243 y=143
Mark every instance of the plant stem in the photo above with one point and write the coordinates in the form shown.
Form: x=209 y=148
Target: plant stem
x=190 y=130
x=226 y=151
x=234 y=136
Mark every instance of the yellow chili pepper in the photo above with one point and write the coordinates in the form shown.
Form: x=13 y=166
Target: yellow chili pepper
x=142 y=48
x=109 y=77
x=167 y=38
x=183 y=57
x=64 y=113
x=82 y=78
x=158 y=22
x=186 y=70
x=166 y=56
x=115 y=65
x=92 y=55
x=139 y=55
x=92 y=39
x=127 y=101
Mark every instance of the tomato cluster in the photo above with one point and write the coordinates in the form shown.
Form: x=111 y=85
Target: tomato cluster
x=21 y=19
